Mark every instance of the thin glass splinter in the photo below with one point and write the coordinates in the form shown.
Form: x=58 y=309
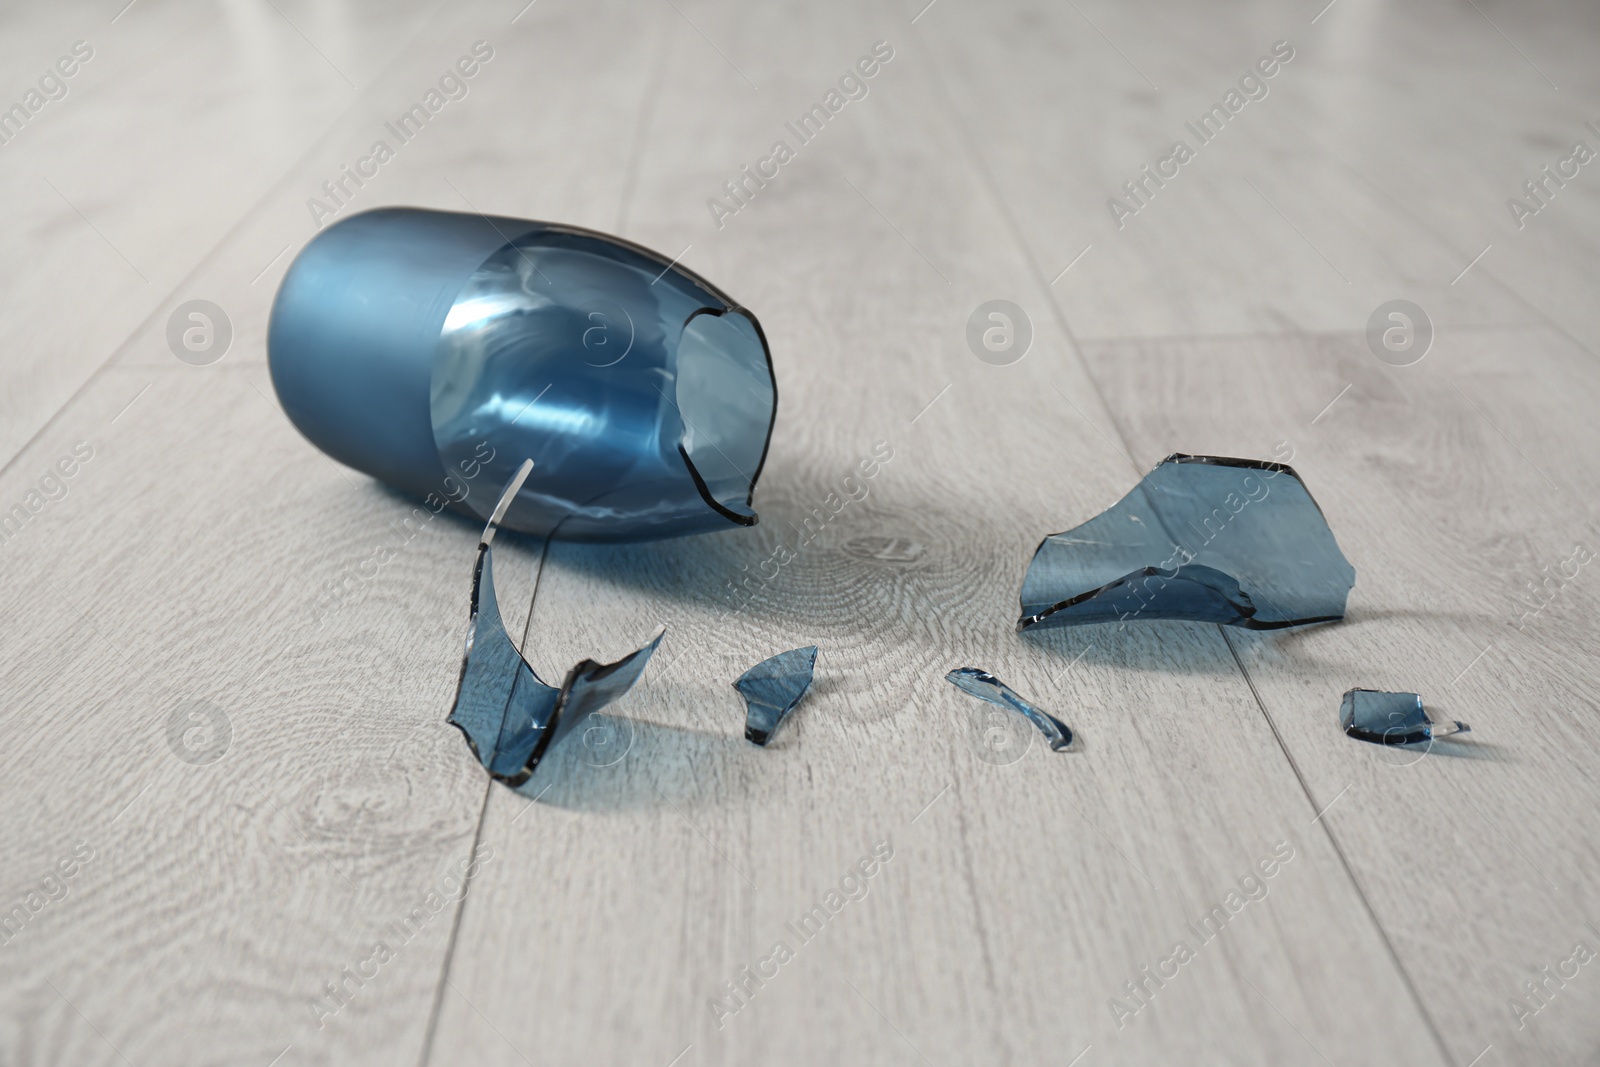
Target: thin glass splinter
x=772 y=688
x=510 y=717
x=1201 y=538
x=986 y=686
x=1392 y=718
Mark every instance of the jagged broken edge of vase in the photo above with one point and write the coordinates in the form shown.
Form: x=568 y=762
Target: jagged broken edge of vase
x=985 y=686
x=772 y=688
x=512 y=719
x=1404 y=718
x=1266 y=557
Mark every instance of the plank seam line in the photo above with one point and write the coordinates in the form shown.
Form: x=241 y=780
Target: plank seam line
x=630 y=188
x=629 y=193
x=986 y=179
x=1344 y=861
x=455 y=930
x=477 y=837
x=643 y=122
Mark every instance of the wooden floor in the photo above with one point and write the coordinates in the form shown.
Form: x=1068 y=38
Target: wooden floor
x=169 y=599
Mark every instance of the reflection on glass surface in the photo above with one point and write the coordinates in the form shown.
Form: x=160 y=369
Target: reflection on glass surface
x=644 y=399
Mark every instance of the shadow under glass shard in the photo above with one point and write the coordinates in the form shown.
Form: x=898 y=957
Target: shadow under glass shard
x=1203 y=539
x=509 y=716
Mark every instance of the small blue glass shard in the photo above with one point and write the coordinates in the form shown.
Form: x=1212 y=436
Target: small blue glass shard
x=1201 y=538
x=1391 y=718
x=772 y=688
x=986 y=686
x=510 y=717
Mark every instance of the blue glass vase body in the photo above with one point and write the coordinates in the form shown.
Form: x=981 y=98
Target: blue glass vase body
x=436 y=351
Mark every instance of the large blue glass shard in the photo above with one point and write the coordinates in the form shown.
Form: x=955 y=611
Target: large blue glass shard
x=510 y=717
x=772 y=688
x=986 y=686
x=1391 y=718
x=1201 y=538
x=436 y=350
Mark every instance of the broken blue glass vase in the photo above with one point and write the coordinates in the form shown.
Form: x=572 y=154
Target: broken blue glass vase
x=435 y=351
x=1201 y=538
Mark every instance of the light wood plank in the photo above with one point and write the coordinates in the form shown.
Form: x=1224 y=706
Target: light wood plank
x=1381 y=156
x=179 y=122
x=505 y=148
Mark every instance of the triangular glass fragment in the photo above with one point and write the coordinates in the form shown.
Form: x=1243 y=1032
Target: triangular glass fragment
x=1202 y=538
x=772 y=688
